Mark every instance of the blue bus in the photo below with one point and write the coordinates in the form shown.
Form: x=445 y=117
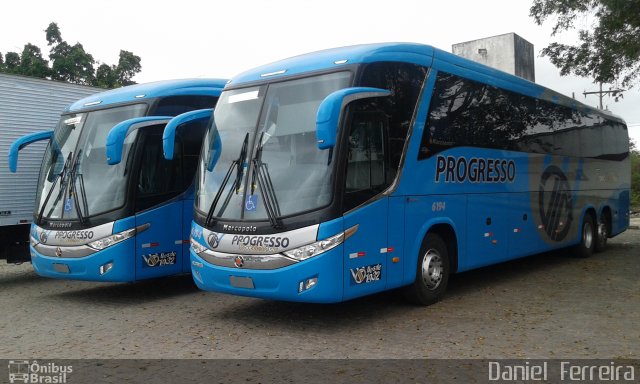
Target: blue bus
x=350 y=171
x=109 y=205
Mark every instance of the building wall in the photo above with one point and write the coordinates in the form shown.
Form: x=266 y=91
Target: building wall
x=509 y=53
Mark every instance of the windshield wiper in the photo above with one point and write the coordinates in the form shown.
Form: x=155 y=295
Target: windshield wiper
x=60 y=177
x=268 y=193
x=238 y=165
x=74 y=176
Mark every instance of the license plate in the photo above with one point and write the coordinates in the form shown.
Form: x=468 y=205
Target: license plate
x=61 y=268
x=241 y=282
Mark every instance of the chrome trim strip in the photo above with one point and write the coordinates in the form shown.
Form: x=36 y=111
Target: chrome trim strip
x=263 y=262
x=66 y=252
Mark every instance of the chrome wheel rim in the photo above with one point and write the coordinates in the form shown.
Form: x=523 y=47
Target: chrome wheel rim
x=432 y=270
x=602 y=232
x=587 y=235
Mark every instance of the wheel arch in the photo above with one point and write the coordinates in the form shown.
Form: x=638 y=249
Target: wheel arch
x=446 y=229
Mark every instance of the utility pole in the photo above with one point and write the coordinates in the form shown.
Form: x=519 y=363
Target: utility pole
x=616 y=93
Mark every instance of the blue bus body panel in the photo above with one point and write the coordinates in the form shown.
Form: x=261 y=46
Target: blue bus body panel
x=365 y=252
x=145 y=91
x=88 y=268
x=159 y=249
x=280 y=284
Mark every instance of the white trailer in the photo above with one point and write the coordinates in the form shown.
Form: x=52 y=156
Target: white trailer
x=27 y=105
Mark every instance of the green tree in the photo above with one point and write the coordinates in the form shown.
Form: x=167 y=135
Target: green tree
x=70 y=63
x=609 y=52
x=32 y=63
x=12 y=62
x=128 y=66
x=121 y=74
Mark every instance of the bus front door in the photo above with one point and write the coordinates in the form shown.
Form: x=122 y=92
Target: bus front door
x=159 y=249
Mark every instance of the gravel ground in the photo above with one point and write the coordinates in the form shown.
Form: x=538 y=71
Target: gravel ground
x=546 y=306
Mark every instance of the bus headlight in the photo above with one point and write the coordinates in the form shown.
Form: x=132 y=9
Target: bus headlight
x=197 y=247
x=108 y=241
x=320 y=247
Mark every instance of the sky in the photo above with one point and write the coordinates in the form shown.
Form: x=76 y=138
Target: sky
x=192 y=38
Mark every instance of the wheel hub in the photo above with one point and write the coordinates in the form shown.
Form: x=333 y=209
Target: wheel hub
x=432 y=269
x=587 y=235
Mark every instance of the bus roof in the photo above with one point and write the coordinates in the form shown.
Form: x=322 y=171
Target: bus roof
x=335 y=57
x=403 y=52
x=150 y=90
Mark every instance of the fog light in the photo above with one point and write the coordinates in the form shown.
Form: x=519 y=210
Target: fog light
x=307 y=284
x=106 y=268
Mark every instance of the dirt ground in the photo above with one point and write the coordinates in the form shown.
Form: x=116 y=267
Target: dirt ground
x=546 y=306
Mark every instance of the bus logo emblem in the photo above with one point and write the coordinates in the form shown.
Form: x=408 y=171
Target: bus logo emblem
x=59 y=252
x=555 y=203
x=238 y=261
x=213 y=240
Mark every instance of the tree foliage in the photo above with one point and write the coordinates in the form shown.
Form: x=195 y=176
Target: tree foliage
x=70 y=63
x=608 y=52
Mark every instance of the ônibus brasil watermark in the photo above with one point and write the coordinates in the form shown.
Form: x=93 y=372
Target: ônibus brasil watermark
x=25 y=371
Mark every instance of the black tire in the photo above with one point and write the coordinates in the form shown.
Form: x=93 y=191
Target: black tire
x=587 y=237
x=602 y=233
x=429 y=286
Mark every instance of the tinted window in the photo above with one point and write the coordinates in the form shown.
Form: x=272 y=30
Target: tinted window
x=468 y=113
x=405 y=82
x=367 y=158
x=175 y=105
x=159 y=179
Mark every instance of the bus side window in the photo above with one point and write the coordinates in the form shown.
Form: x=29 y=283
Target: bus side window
x=367 y=158
x=159 y=179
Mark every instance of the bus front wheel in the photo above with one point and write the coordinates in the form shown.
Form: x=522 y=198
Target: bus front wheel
x=587 y=237
x=432 y=274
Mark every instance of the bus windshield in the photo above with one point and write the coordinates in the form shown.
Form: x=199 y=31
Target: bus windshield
x=260 y=154
x=75 y=174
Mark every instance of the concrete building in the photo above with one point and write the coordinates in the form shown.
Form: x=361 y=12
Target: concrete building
x=509 y=53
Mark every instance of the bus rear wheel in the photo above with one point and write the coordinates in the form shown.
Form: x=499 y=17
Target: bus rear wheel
x=432 y=274
x=587 y=237
x=602 y=233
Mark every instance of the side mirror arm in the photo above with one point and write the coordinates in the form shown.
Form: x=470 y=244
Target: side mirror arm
x=330 y=110
x=169 y=133
x=117 y=134
x=22 y=142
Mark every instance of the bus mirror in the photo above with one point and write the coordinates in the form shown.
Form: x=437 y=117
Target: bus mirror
x=117 y=134
x=331 y=108
x=23 y=142
x=169 y=134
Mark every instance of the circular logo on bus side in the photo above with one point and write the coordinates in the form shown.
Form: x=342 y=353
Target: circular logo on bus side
x=58 y=251
x=238 y=261
x=554 y=197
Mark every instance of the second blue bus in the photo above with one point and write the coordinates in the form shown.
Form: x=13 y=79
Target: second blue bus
x=109 y=205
